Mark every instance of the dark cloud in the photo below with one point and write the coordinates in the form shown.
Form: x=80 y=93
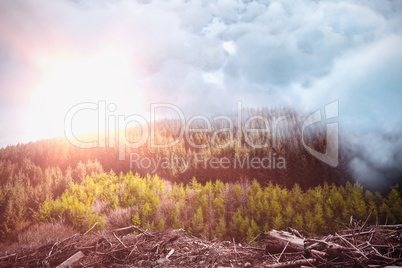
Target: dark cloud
x=378 y=159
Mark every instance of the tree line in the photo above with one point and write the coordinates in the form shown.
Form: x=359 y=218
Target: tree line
x=282 y=135
x=86 y=195
x=239 y=210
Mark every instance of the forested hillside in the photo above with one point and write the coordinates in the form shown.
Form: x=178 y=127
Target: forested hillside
x=54 y=181
x=289 y=161
x=238 y=210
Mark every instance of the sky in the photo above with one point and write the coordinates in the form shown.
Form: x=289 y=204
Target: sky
x=203 y=56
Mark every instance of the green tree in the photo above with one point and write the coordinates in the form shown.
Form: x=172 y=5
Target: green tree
x=220 y=230
x=253 y=230
x=197 y=223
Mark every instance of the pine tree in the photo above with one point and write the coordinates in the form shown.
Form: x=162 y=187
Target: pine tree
x=394 y=202
x=309 y=223
x=197 y=223
x=220 y=230
x=319 y=222
x=136 y=221
x=253 y=230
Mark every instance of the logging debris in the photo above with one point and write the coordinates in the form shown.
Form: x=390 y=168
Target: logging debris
x=371 y=246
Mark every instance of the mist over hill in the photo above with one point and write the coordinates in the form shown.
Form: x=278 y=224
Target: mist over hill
x=277 y=153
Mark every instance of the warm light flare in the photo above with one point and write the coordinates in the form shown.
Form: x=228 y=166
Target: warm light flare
x=69 y=79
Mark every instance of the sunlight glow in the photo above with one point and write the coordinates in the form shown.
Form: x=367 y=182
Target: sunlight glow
x=71 y=79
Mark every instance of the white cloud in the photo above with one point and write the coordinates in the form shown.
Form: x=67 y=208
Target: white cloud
x=230 y=47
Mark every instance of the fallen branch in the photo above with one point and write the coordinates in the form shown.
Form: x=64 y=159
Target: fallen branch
x=234 y=247
x=389 y=226
x=353 y=246
x=118 y=239
x=135 y=228
x=73 y=259
x=91 y=228
x=361 y=228
x=362 y=233
x=170 y=253
x=317 y=253
x=51 y=250
x=254 y=239
x=280 y=256
x=289 y=264
x=8 y=256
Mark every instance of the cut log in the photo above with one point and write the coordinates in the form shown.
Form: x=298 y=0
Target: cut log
x=73 y=259
x=278 y=241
